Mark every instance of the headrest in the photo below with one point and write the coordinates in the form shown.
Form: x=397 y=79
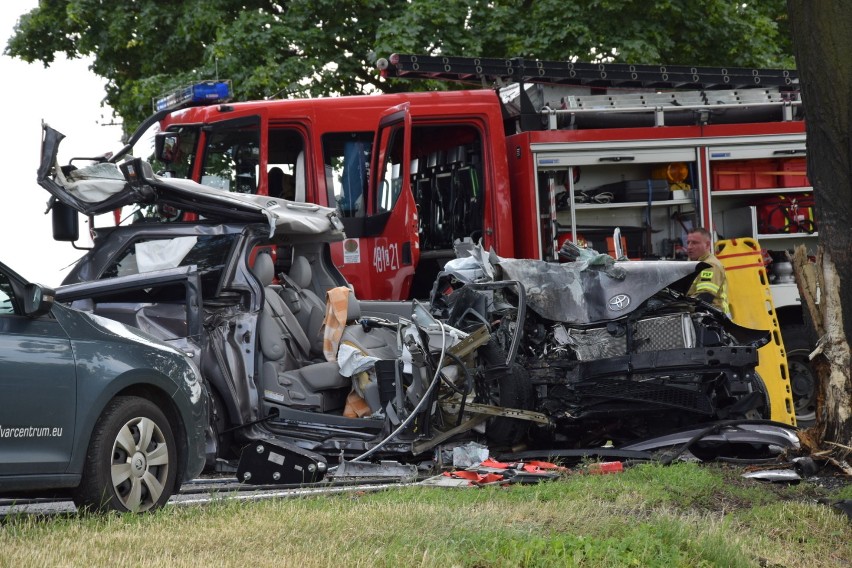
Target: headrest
x=263 y=269
x=300 y=272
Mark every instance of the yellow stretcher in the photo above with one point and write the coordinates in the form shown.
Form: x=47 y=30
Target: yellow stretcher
x=751 y=306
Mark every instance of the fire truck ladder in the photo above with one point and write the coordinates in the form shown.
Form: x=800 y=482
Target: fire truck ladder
x=518 y=69
x=655 y=88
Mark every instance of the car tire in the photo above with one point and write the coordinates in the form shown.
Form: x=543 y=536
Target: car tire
x=509 y=387
x=131 y=462
x=803 y=383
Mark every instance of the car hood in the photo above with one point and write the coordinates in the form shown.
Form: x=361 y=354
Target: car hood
x=104 y=187
x=591 y=289
x=584 y=293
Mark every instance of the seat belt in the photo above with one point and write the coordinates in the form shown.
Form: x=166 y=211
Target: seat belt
x=300 y=291
x=294 y=330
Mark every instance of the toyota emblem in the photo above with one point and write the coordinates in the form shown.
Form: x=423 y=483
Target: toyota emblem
x=619 y=302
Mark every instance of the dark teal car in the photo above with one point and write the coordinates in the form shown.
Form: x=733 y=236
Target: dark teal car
x=92 y=408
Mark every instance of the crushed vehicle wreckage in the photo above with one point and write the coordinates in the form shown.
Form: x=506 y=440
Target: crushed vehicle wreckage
x=527 y=355
x=609 y=351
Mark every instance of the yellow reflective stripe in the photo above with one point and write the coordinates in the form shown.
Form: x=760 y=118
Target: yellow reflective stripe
x=708 y=286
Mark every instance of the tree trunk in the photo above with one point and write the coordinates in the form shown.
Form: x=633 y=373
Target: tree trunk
x=822 y=41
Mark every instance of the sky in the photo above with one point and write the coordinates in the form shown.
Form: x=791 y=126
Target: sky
x=67 y=96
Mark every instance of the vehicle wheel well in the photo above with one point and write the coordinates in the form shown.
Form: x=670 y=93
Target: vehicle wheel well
x=505 y=386
x=132 y=459
x=167 y=406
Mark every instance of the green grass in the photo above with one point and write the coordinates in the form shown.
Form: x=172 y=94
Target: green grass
x=681 y=515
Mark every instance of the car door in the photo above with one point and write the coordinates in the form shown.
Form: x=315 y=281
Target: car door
x=384 y=246
x=165 y=303
x=38 y=388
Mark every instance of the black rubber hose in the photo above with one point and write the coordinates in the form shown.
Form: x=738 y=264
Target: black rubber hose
x=468 y=380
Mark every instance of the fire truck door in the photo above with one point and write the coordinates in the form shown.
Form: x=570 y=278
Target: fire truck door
x=389 y=246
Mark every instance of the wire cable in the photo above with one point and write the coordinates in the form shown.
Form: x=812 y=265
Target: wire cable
x=426 y=396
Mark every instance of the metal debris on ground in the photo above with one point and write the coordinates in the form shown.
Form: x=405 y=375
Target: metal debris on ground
x=469 y=455
x=774 y=475
x=493 y=472
x=386 y=470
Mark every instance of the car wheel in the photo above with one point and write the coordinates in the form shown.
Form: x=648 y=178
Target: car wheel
x=131 y=462
x=802 y=377
x=507 y=387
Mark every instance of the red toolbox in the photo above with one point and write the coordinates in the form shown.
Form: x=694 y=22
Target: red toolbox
x=792 y=172
x=744 y=174
x=731 y=175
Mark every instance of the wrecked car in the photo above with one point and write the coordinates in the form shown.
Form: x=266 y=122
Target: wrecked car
x=243 y=290
x=611 y=352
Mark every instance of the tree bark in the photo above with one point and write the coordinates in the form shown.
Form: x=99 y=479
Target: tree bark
x=822 y=42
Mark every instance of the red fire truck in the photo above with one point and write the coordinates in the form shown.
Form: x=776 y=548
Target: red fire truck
x=562 y=151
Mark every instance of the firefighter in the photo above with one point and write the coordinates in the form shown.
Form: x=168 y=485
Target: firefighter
x=280 y=184
x=710 y=285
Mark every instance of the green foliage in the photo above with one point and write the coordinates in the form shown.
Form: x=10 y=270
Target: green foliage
x=275 y=48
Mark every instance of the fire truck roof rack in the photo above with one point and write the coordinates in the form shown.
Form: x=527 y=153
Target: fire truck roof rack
x=589 y=95
x=518 y=69
x=672 y=108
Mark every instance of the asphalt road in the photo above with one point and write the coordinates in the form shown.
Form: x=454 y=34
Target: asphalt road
x=200 y=492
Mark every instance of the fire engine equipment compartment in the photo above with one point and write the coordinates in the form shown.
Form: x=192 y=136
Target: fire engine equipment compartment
x=637 y=190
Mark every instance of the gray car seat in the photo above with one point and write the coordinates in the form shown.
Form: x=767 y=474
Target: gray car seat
x=308 y=308
x=373 y=340
x=289 y=375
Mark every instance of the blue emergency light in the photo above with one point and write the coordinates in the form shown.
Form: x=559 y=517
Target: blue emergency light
x=204 y=93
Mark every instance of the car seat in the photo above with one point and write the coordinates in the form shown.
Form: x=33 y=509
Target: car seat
x=308 y=308
x=289 y=375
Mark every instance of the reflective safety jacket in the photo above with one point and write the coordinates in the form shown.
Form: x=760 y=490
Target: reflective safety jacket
x=711 y=285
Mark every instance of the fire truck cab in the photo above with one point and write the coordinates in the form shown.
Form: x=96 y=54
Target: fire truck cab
x=442 y=176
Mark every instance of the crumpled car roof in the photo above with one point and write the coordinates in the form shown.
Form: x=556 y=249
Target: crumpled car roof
x=104 y=187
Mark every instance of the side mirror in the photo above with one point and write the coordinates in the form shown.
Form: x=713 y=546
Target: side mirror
x=38 y=299
x=66 y=223
x=165 y=146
